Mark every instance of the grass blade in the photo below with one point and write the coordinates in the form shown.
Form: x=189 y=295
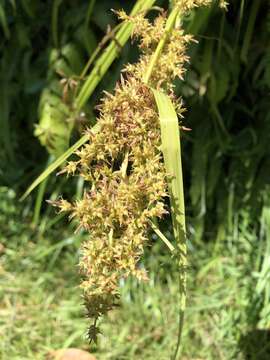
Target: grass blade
x=59 y=161
x=40 y=196
x=170 y=137
x=3 y=22
x=249 y=31
x=161 y=236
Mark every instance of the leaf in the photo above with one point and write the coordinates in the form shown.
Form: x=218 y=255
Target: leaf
x=55 y=119
x=40 y=196
x=249 y=30
x=219 y=84
x=161 y=235
x=170 y=137
x=198 y=20
x=171 y=148
x=54 y=126
x=59 y=161
x=73 y=56
x=3 y=22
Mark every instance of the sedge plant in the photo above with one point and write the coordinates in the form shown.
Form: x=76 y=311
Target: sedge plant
x=129 y=167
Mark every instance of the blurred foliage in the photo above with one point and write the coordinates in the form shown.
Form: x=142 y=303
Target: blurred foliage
x=44 y=47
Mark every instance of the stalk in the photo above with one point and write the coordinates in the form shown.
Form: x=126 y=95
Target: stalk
x=169 y=26
x=54 y=24
x=250 y=27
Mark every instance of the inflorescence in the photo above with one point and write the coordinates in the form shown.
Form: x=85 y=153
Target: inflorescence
x=123 y=168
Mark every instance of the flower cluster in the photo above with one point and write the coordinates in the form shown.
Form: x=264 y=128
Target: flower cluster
x=123 y=169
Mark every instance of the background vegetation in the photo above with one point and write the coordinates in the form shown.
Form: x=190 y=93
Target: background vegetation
x=226 y=172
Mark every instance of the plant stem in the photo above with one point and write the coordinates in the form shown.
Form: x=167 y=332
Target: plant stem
x=169 y=26
x=250 y=27
x=55 y=11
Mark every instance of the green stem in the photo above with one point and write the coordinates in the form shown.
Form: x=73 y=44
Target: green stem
x=154 y=226
x=97 y=51
x=55 y=11
x=168 y=28
x=241 y=11
x=180 y=330
x=248 y=35
x=89 y=13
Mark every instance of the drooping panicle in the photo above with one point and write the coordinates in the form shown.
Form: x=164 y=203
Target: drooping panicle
x=123 y=168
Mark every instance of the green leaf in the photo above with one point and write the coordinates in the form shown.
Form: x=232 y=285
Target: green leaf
x=250 y=28
x=161 y=235
x=3 y=22
x=40 y=196
x=59 y=161
x=171 y=148
x=54 y=126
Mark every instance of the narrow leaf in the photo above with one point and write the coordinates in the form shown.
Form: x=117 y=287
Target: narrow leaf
x=59 y=161
x=3 y=22
x=170 y=138
x=161 y=236
x=250 y=28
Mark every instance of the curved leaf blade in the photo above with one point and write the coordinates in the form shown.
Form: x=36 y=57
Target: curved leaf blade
x=171 y=148
x=59 y=161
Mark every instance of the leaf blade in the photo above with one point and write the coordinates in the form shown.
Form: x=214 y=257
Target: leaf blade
x=59 y=161
x=171 y=148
